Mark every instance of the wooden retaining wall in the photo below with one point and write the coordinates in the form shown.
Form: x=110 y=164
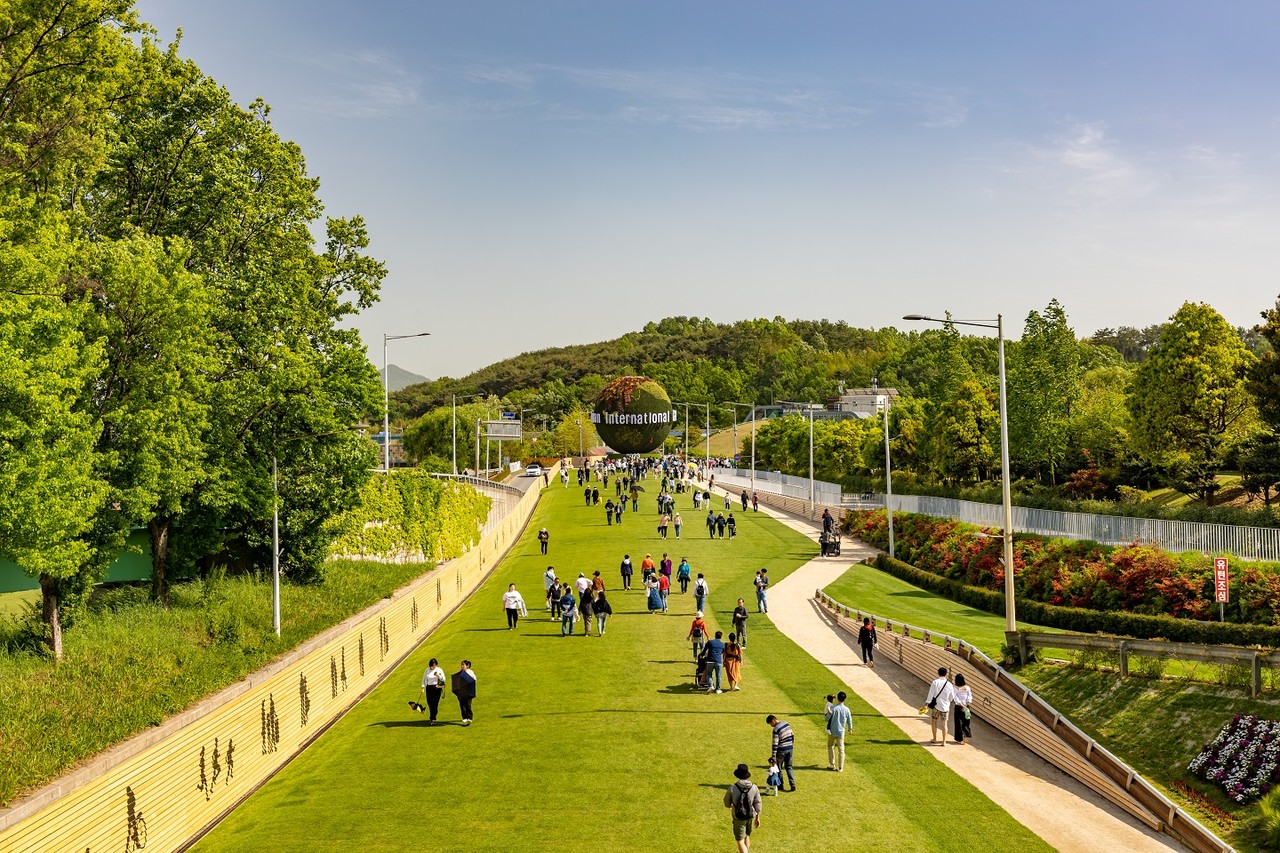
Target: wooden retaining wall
x=1005 y=703
x=163 y=788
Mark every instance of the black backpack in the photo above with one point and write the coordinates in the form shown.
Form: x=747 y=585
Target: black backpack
x=742 y=804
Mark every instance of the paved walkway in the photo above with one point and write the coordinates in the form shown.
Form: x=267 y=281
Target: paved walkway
x=1047 y=801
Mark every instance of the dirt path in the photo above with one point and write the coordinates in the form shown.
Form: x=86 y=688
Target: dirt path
x=1047 y=801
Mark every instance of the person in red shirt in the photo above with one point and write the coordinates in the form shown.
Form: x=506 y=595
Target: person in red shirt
x=664 y=588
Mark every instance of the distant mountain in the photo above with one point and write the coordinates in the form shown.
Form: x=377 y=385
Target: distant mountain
x=401 y=378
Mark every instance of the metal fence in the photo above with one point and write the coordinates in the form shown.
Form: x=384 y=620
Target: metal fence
x=505 y=498
x=1252 y=543
x=780 y=484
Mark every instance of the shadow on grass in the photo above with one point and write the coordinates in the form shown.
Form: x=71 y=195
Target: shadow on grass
x=893 y=742
x=411 y=724
x=915 y=593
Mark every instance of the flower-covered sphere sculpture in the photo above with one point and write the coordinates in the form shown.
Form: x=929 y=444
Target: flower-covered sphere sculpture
x=633 y=414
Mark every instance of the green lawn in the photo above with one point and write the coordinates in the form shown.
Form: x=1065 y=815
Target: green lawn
x=602 y=745
x=15 y=603
x=873 y=591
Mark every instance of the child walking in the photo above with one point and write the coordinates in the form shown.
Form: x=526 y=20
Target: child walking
x=774 y=778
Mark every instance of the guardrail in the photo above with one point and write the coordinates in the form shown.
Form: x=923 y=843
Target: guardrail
x=1018 y=712
x=1256 y=659
x=163 y=788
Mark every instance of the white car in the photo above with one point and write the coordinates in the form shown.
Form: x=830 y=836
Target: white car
x=534 y=470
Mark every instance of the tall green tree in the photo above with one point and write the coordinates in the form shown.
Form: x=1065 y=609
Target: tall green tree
x=1189 y=397
x=50 y=489
x=961 y=434
x=1044 y=385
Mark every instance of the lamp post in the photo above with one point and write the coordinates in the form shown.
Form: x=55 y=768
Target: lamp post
x=455 y=429
x=1010 y=611
x=386 y=398
x=582 y=458
x=275 y=547
x=752 y=406
x=810 y=406
x=888 y=472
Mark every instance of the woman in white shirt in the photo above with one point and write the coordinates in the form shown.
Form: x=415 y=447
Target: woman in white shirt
x=513 y=603
x=433 y=688
x=963 y=699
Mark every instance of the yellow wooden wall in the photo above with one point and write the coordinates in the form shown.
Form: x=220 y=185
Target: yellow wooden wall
x=160 y=789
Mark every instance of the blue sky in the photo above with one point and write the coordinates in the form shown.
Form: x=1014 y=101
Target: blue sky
x=545 y=173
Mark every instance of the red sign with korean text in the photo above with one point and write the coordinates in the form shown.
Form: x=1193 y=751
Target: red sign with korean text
x=1221 y=580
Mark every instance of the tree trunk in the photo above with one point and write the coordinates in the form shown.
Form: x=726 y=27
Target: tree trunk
x=50 y=611
x=158 y=528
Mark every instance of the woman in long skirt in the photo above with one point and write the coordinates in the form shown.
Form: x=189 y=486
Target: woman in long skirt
x=655 y=597
x=733 y=662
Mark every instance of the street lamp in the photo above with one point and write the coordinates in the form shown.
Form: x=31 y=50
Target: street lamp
x=1010 y=612
x=455 y=428
x=888 y=471
x=706 y=433
x=386 y=398
x=810 y=407
x=581 y=456
x=753 y=437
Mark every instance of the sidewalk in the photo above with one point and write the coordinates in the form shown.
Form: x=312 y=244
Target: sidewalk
x=1047 y=801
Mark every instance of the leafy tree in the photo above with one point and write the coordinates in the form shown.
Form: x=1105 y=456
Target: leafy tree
x=1044 y=384
x=1264 y=378
x=50 y=490
x=1189 y=395
x=1100 y=419
x=1260 y=466
x=961 y=433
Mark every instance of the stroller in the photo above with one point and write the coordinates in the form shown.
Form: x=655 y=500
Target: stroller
x=830 y=544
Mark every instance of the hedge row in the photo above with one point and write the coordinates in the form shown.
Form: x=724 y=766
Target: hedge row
x=1080 y=620
x=411 y=514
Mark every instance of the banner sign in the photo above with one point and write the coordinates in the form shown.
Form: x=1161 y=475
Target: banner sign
x=1221 y=580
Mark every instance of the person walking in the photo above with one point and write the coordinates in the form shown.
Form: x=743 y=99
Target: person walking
x=715 y=660
x=653 y=596
x=463 y=685
x=603 y=611
x=867 y=641
x=678 y=522
x=697 y=633
x=733 y=662
x=647 y=567
x=664 y=589
x=744 y=801
x=755 y=502
x=543 y=538
x=433 y=689
x=627 y=571
x=711 y=523
x=938 y=700
x=608 y=512
x=700 y=590
x=732 y=526
x=597 y=582
x=744 y=500
x=740 y=622
x=784 y=742
x=839 y=722
x=762 y=591
x=618 y=509
x=663 y=523
x=513 y=603
x=683 y=574
x=548 y=580
x=960 y=707
x=720 y=524
x=586 y=608
x=568 y=611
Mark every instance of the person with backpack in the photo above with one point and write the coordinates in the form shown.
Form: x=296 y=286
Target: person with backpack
x=762 y=591
x=867 y=642
x=700 y=590
x=627 y=571
x=697 y=633
x=743 y=800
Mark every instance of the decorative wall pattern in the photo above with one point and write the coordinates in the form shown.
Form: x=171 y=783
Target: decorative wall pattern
x=161 y=789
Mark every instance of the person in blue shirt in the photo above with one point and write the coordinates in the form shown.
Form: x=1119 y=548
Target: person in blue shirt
x=568 y=611
x=715 y=664
x=839 y=722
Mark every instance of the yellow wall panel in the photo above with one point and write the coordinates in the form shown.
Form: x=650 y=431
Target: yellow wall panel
x=162 y=788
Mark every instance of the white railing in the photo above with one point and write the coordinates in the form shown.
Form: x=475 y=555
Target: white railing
x=1252 y=543
x=779 y=484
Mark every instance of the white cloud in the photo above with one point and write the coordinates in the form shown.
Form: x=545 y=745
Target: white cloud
x=363 y=84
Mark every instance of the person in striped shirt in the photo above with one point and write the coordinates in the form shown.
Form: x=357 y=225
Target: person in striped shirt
x=784 y=742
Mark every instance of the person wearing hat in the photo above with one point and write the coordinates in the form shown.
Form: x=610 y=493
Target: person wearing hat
x=743 y=800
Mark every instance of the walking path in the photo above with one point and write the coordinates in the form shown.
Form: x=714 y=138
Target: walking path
x=1038 y=795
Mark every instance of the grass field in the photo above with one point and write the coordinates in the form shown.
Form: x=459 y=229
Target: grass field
x=601 y=743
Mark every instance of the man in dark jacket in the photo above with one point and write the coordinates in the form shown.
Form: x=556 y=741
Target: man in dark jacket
x=463 y=684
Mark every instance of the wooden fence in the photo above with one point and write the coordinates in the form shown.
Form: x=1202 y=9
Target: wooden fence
x=166 y=787
x=1012 y=708
x=1122 y=648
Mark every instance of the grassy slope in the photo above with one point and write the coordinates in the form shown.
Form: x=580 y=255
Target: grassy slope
x=133 y=664
x=600 y=744
x=1157 y=726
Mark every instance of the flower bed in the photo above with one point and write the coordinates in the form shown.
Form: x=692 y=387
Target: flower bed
x=1242 y=759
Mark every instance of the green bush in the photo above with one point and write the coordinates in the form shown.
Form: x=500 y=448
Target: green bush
x=1083 y=621
x=411 y=513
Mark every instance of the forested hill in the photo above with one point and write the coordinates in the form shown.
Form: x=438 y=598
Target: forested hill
x=707 y=357
x=763 y=360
